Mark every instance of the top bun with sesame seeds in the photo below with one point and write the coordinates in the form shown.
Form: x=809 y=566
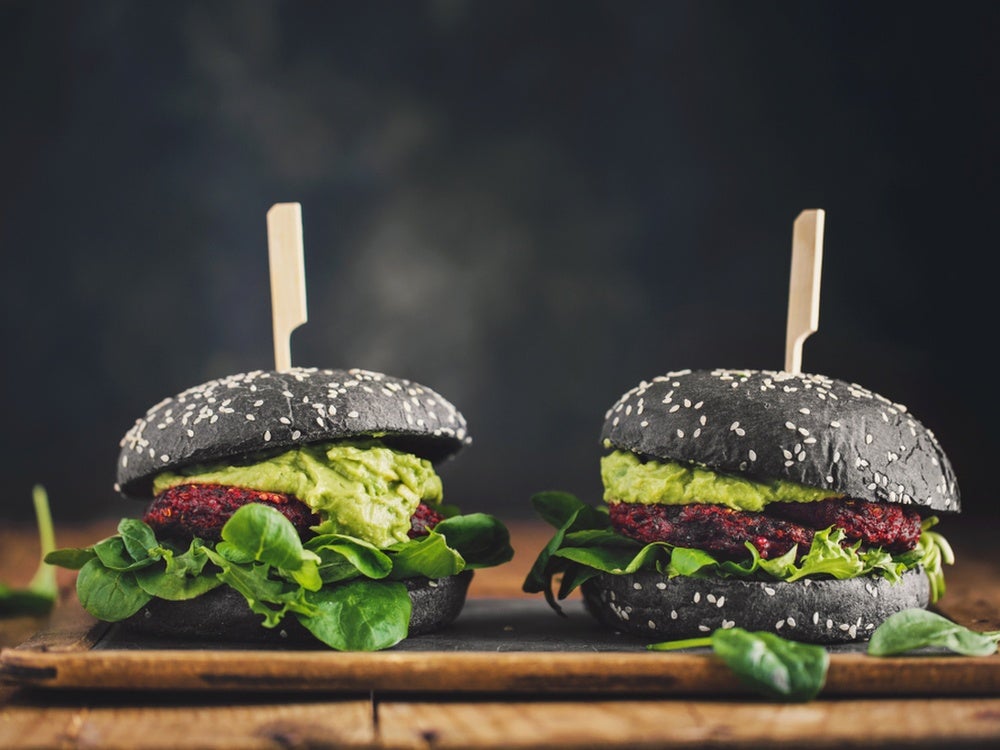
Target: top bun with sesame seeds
x=809 y=429
x=260 y=412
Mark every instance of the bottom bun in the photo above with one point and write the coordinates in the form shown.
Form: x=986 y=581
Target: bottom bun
x=654 y=606
x=223 y=614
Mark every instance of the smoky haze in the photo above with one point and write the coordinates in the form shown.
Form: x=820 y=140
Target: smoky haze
x=529 y=207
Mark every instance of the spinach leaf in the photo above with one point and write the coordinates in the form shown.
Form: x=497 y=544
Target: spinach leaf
x=360 y=615
x=770 y=665
x=72 y=558
x=481 y=540
x=343 y=557
x=572 y=515
x=173 y=586
x=114 y=555
x=426 y=556
x=183 y=575
x=913 y=629
x=138 y=538
x=264 y=533
x=108 y=594
x=41 y=592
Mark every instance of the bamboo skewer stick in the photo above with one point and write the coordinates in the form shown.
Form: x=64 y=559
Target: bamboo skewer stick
x=288 y=277
x=803 y=287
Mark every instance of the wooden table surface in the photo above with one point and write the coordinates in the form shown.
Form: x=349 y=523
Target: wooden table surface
x=194 y=719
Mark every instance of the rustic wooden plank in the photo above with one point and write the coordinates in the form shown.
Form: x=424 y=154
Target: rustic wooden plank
x=690 y=724
x=642 y=673
x=247 y=725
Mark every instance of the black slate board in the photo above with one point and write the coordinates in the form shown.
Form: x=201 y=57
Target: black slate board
x=503 y=625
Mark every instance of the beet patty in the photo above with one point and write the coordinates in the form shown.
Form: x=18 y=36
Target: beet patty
x=201 y=510
x=724 y=531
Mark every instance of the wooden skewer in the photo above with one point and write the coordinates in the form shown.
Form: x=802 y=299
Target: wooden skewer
x=288 y=277
x=803 y=287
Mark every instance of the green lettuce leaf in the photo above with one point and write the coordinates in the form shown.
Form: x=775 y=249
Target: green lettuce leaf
x=585 y=545
x=262 y=557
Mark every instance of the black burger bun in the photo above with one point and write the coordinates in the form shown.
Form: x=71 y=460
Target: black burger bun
x=809 y=429
x=651 y=605
x=223 y=615
x=263 y=412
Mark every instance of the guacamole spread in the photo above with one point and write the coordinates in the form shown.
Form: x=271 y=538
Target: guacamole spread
x=629 y=479
x=362 y=488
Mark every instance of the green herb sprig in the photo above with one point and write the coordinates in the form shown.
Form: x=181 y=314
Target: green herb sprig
x=40 y=595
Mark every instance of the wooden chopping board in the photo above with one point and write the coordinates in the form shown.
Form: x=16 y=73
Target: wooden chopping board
x=496 y=646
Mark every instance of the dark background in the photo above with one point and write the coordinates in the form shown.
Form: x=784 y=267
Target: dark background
x=528 y=206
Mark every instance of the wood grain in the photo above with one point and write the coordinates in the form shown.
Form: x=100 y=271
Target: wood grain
x=477 y=672
x=189 y=724
x=690 y=724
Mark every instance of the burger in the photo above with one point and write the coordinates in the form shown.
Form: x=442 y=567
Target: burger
x=791 y=503
x=299 y=506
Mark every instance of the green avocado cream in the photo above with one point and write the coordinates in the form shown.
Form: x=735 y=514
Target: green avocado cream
x=628 y=479
x=362 y=488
